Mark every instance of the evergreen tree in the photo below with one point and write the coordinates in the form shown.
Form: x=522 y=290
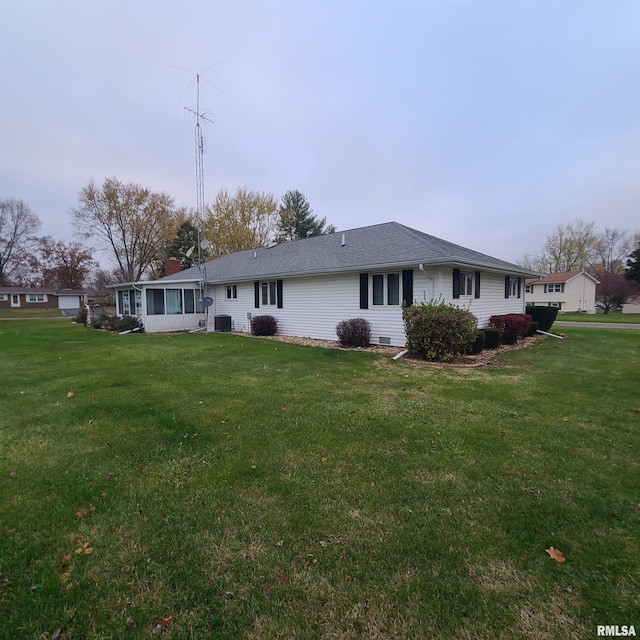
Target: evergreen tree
x=184 y=246
x=296 y=219
x=633 y=266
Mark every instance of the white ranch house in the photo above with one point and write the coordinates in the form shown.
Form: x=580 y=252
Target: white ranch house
x=310 y=285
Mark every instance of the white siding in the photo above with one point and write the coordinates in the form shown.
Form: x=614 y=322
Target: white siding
x=579 y=295
x=313 y=306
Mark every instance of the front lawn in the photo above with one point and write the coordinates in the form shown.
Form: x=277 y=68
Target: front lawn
x=612 y=316
x=213 y=485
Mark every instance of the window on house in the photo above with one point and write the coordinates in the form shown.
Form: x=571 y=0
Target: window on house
x=3 y=297
x=528 y=288
x=174 y=301
x=386 y=289
x=393 y=289
x=232 y=292
x=378 y=289
x=268 y=293
x=512 y=287
x=189 y=301
x=155 y=302
x=36 y=297
x=466 y=283
x=554 y=288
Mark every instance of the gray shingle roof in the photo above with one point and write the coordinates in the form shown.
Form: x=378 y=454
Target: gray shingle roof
x=381 y=246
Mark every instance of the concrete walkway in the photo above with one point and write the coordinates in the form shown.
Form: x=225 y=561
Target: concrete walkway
x=596 y=325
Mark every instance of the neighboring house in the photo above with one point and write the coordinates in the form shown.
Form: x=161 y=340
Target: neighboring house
x=631 y=307
x=568 y=291
x=40 y=297
x=310 y=285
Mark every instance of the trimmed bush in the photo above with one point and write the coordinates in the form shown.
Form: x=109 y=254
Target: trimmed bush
x=438 y=331
x=477 y=345
x=513 y=325
x=492 y=338
x=533 y=327
x=117 y=324
x=264 y=326
x=128 y=323
x=355 y=332
x=546 y=316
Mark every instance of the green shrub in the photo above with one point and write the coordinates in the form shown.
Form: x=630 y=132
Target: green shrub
x=546 y=316
x=355 y=332
x=533 y=327
x=127 y=323
x=101 y=321
x=438 y=331
x=492 y=338
x=117 y=324
x=477 y=345
x=264 y=325
x=82 y=316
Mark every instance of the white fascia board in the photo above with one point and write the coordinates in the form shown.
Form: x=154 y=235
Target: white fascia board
x=147 y=283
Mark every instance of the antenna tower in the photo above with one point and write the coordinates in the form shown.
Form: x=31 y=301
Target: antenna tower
x=201 y=118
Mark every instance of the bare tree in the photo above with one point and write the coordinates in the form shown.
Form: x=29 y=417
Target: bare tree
x=131 y=222
x=612 y=248
x=63 y=265
x=17 y=226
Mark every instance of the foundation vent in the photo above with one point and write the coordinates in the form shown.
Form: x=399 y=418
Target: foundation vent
x=384 y=340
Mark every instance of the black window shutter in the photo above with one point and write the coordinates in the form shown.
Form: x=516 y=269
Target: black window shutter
x=477 y=287
x=407 y=287
x=507 y=288
x=256 y=295
x=519 y=286
x=364 y=290
x=279 y=293
x=456 y=283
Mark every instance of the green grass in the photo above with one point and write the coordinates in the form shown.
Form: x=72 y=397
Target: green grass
x=23 y=312
x=237 y=487
x=612 y=316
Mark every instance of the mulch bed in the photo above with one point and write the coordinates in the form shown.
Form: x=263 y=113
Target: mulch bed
x=482 y=359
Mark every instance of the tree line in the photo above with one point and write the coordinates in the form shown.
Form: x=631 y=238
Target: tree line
x=139 y=229
x=611 y=256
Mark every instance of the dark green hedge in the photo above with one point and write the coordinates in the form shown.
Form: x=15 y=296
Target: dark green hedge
x=545 y=316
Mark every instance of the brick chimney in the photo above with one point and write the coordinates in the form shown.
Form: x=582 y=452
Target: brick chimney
x=171 y=266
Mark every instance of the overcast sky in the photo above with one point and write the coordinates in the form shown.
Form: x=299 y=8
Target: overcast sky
x=484 y=123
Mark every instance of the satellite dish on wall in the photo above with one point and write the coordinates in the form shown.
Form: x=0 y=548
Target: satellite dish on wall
x=207 y=302
x=204 y=243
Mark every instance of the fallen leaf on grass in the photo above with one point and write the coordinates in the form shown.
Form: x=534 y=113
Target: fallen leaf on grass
x=82 y=512
x=65 y=572
x=324 y=458
x=13 y=474
x=69 y=395
x=130 y=623
x=555 y=554
x=162 y=625
x=56 y=634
